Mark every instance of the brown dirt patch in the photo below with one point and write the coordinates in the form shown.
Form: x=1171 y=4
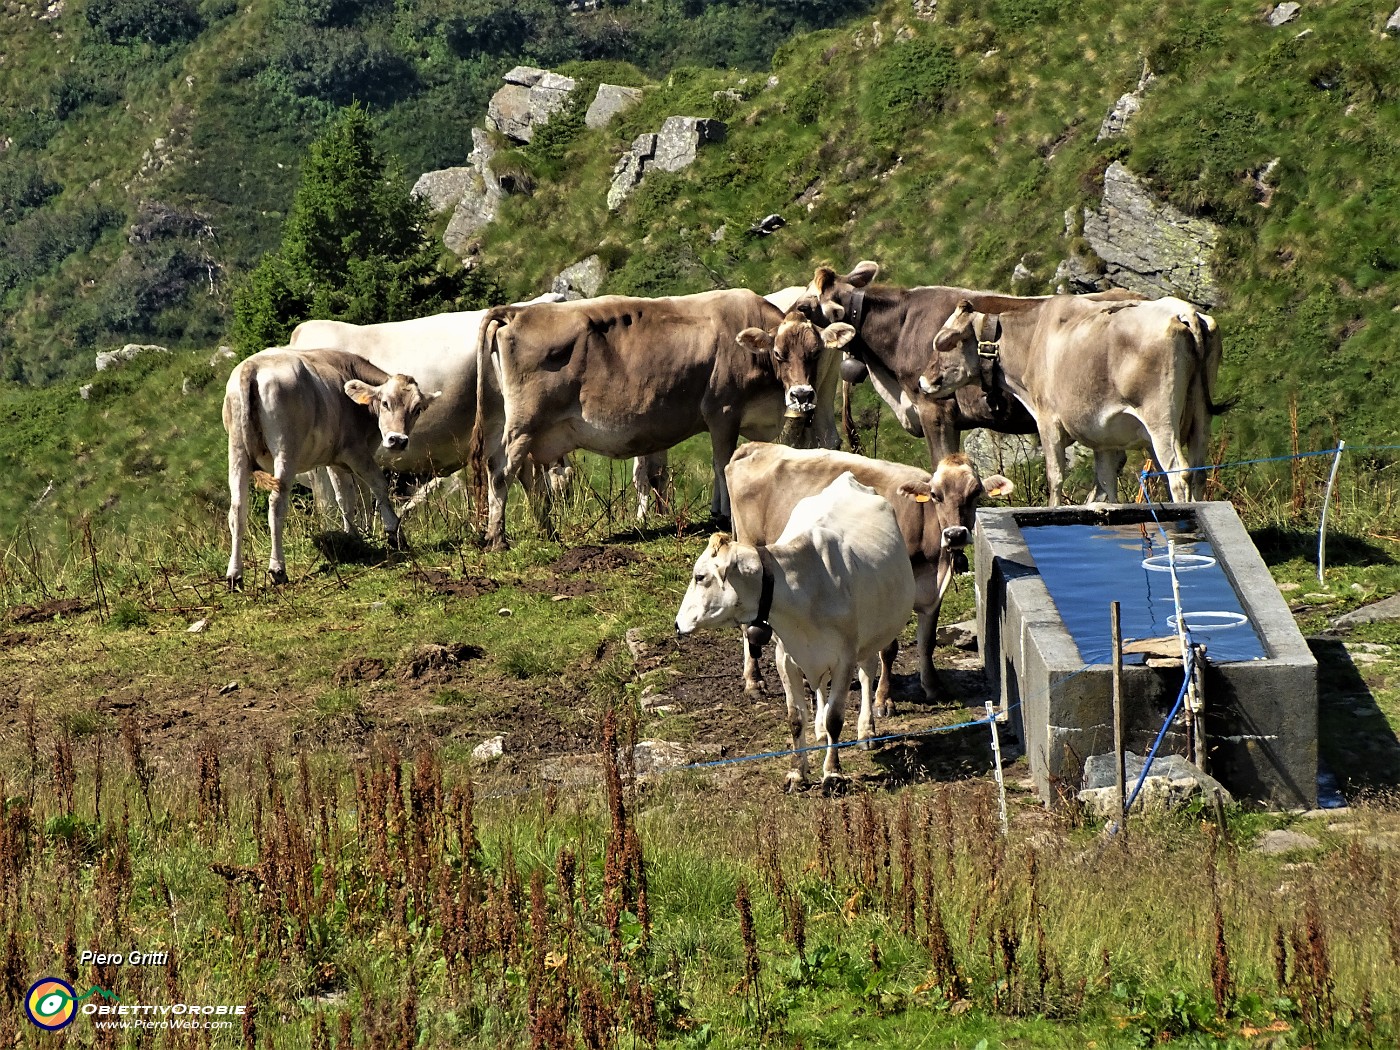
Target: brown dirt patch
x=438 y=661
x=457 y=587
x=45 y=611
x=12 y=639
x=359 y=669
x=592 y=559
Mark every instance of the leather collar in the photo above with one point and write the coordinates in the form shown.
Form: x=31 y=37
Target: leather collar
x=989 y=337
x=856 y=311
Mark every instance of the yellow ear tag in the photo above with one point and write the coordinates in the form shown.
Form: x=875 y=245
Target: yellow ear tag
x=922 y=498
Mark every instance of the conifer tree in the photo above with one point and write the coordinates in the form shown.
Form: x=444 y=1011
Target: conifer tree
x=354 y=248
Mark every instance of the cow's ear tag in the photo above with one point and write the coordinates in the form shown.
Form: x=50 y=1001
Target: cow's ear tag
x=922 y=497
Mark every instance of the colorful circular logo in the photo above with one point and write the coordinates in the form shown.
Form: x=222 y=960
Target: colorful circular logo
x=51 y=1003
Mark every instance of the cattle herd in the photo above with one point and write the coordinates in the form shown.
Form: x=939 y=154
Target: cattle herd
x=829 y=551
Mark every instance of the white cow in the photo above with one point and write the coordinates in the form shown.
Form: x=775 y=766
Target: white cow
x=440 y=351
x=289 y=411
x=836 y=587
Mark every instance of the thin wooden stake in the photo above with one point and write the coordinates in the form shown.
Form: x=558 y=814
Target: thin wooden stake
x=1120 y=772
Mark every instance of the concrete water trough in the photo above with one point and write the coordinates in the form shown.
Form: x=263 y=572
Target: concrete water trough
x=1051 y=664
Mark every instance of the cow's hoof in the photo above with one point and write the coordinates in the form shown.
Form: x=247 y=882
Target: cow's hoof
x=755 y=691
x=396 y=540
x=234 y=583
x=794 y=782
x=835 y=784
x=867 y=741
x=496 y=543
x=277 y=577
x=885 y=710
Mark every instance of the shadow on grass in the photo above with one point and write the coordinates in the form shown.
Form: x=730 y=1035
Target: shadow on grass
x=347 y=549
x=1354 y=739
x=1277 y=545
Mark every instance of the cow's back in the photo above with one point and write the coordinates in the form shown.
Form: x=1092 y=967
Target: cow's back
x=766 y=481
x=859 y=573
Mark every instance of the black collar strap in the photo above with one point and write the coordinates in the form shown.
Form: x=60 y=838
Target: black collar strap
x=857 y=309
x=989 y=338
x=759 y=630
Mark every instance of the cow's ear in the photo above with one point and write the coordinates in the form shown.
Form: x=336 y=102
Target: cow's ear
x=358 y=392
x=919 y=492
x=838 y=335
x=755 y=340
x=997 y=486
x=824 y=280
x=953 y=332
x=863 y=274
x=433 y=396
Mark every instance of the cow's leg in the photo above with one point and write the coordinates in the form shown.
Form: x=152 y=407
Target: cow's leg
x=1108 y=464
x=724 y=440
x=239 y=472
x=362 y=463
x=1053 y=443
x=540 y=495
x=884 y=702
x=866 y=671
x=1171 y=454
x=926 y=635
x=795 y=691
x=753 y=677
x=347 y=498
x=649 y=478
x=276 y=516
x=831 y=712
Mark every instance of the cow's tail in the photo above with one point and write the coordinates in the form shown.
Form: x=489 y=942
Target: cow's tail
x=1209 y=352
x=476 y=451
x=243 y=420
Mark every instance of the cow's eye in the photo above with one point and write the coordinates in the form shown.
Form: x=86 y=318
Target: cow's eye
x=779 y=355
x=699 y=577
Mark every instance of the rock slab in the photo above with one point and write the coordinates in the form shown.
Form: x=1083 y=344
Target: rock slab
x=1283 y=13
x=672 y=148
x=444 y=188
x=610 y=100
x=1172 y=782
x=582 y=280
x=116 y=358
x=528 y=99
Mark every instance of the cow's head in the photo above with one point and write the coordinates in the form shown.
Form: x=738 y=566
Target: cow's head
x=953 y=363
x=724 y=588
x=396 y=403
x=832 y=292
x=795 y=350
x=949 y=500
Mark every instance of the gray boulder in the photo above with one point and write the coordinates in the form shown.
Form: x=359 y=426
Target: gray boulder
x=529 y=98
x=116 y=358
x=444 y=188
x=1393 y=26
x=1149 y=246
x=1283 y=13
x=582 y=280
x=1171 y=783
x=610 y=100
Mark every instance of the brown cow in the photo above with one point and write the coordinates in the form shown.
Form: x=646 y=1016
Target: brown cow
x=895 y=329
x=1110 y=375
x=935 y=515
x=624 y=376
x=287 y=411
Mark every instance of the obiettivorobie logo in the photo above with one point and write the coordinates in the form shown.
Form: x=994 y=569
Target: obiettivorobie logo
x=52 y=1003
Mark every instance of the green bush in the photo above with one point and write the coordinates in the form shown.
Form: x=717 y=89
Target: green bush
x=24 y=186
x=906 y=82
x=338 y=66
x=37 y=243
x=149 y=21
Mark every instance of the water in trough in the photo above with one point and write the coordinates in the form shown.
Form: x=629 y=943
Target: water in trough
x=1085 y=567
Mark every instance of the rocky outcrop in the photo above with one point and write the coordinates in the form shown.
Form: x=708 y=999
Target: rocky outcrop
x=1283 y=13
x=672 y=148
x=444 y=188
x=926 y=10
x=1149 y=246
x=529 y=98
x=610 y=100
x=1124 y=109
x=1393 y=26
x=480 y=198
x=582 y=280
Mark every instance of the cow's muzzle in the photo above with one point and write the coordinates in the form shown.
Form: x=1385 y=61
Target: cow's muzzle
x=955 y=539
x=934 y=389
x=801 y=399
x=396 y=442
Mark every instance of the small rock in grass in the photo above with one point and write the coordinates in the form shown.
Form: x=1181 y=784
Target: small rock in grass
x=198 y=626
x=488 y=749
x=1282 y=840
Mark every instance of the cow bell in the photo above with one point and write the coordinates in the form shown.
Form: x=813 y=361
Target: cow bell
x=853 y=370
x=759 y=634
